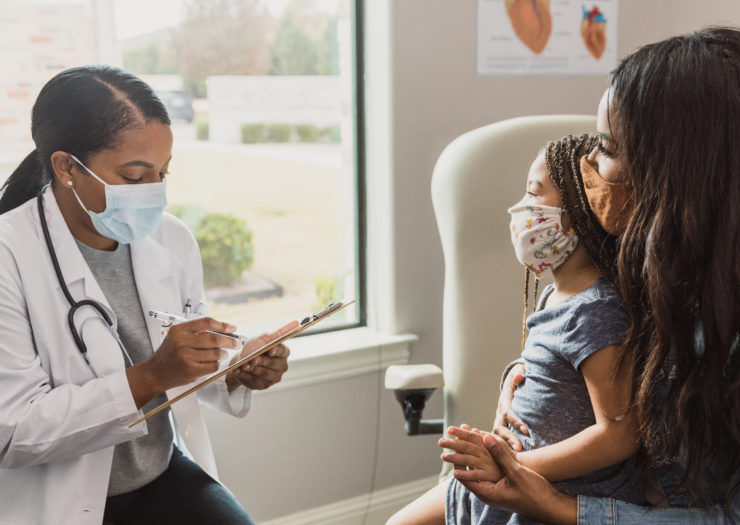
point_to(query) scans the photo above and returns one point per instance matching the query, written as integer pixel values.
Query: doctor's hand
(187, 353)
(263, 371)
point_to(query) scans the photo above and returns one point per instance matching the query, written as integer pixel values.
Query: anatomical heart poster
(546, 37)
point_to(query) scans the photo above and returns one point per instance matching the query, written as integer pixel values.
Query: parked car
(179, 104)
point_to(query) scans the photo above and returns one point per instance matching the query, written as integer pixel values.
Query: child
(580, 432)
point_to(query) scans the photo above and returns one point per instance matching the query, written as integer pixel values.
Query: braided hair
(563, 158)
(563, 161)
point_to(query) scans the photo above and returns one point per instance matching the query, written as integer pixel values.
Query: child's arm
(606, 443)
(612, 439)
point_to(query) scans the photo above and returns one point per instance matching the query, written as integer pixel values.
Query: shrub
(307, 132)
(278, 133)
(328, 289)
(332, 133)
(225, 246)
(259, 133)
(225, 242)
(253, 133)
(201, 130)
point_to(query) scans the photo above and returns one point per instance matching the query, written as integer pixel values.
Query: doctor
(85, 250)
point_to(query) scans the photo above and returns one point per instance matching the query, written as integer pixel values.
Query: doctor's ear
(63, 165)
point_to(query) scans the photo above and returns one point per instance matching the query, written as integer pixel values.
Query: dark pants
(183, 494)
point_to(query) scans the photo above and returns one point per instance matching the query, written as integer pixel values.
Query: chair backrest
(477, 177)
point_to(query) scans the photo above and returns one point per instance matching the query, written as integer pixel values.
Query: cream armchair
(476, 179)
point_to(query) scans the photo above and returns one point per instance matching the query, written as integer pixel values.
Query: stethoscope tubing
(74, 305)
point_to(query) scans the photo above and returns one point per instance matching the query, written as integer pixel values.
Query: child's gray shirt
(553, 400)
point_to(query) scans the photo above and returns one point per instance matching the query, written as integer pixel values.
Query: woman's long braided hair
(563, 161)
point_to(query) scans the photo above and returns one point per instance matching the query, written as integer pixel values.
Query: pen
(167, 319)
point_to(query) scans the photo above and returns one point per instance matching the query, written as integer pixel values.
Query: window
(266, 116)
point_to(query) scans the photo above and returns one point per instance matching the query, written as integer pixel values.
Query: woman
(85, 250)
(669, 126)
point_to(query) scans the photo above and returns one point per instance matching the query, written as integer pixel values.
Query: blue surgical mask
(132, 211)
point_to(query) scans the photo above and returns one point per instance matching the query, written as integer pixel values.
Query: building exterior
(41, 39)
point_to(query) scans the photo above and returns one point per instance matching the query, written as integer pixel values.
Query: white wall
(312, 446)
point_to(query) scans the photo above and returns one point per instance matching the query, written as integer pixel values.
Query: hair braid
(562, 158)
(526, 303)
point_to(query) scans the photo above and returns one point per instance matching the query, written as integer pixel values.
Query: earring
(69, 183)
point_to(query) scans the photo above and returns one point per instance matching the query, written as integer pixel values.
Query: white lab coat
(58, 422)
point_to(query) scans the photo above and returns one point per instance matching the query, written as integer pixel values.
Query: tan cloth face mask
(608, 200)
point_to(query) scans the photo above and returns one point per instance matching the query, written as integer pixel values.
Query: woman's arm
(524, 491)
(222, 394)
(520, 489)
(225, 393)
(39, 420)
(512, 377)
(613, 438)
(46, 418)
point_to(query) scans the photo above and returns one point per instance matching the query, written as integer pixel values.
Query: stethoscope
(74, 305)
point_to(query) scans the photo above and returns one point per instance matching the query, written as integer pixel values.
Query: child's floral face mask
(538, 237)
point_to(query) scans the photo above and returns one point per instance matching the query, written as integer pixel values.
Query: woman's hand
(263, 371)
(470, 453)
(187, 353)
(504, 414)
(521, 490)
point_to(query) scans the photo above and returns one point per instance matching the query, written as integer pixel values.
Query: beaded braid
(563, 159)
(526, 303)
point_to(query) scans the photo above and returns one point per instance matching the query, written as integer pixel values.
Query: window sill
(339, 355)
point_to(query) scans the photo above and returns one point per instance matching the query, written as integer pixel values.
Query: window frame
(360, 181)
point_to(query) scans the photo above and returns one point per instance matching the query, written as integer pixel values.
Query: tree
(328, 49)
(218, 37)
(293, 53)
(306, 41)
(150, 54)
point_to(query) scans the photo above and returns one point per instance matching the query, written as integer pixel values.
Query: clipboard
(306, 323)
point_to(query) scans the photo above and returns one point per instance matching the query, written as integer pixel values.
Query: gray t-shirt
(139, 461)
(554, 400)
